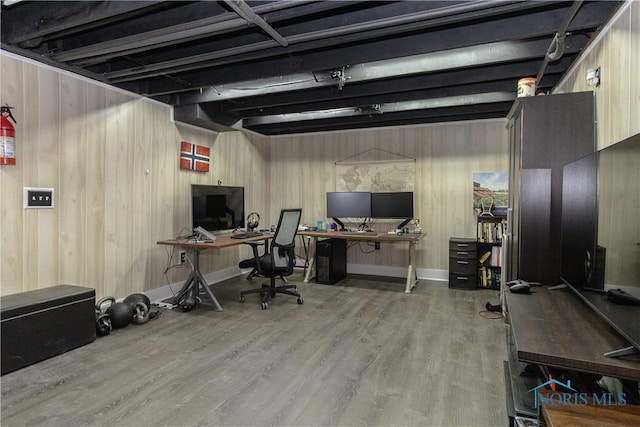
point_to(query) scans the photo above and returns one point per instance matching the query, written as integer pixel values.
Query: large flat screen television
(217, 207)
(601, 234)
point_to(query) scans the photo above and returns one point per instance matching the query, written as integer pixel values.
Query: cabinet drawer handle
(462, 262)
(462, 245)
(462, 253)
(462, 278)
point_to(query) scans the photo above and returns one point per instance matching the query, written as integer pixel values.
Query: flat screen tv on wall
(601, 235)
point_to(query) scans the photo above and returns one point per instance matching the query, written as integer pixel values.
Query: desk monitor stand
(193, 284)
(403, 223)
(340, 223)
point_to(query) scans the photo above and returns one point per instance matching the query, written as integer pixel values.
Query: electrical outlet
(377, 246)
(183, 257)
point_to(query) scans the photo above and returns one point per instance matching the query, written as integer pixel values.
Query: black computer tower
(331, 261)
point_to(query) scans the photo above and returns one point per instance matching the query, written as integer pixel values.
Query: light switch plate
(37, 198)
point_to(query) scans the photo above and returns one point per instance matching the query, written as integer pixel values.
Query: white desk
(411, 239)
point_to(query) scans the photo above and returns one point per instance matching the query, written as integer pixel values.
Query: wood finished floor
(360, 353)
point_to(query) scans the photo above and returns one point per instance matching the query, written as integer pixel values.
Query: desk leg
(196, 281)
(311, 254)
(412, 274)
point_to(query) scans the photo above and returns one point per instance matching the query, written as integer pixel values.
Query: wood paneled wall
(112, 159)
(302, 170)
(615, 51)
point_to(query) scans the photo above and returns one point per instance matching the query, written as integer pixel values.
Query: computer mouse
(520, 288)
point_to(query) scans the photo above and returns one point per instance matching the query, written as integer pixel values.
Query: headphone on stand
(253, 220)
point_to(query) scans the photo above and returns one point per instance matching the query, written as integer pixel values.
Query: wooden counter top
(556, 328)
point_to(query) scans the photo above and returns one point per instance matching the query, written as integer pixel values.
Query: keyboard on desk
(246, 235)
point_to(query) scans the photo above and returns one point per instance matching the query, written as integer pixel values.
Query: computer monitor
(393, 205)
(217, 207)
(348, 204)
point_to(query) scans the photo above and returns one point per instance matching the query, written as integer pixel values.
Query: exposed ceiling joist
(281, 66)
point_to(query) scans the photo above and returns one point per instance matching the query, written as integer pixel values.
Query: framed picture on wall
(490, 193)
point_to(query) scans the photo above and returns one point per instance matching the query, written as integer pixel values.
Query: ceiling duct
(392, 107)
(467, 57)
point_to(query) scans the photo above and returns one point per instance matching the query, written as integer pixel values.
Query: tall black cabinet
(545, 133)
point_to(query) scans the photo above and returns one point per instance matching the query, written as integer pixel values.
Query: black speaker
(331, 261)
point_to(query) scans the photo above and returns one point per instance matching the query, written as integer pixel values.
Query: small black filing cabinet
(463, 270)
(331, 261)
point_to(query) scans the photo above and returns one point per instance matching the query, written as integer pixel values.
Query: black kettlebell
(133, 299)
(103, 320)
(103, 304)
(140, 313)
(103, 325)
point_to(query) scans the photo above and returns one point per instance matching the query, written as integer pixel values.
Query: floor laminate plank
(360, 352)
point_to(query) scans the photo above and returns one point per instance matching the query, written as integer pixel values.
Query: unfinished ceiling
(282, 67)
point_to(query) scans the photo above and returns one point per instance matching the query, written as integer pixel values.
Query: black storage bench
(36, 325)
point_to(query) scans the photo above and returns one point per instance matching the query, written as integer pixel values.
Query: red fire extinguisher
(7, 137)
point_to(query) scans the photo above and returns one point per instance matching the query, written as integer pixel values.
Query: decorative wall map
(376, 176)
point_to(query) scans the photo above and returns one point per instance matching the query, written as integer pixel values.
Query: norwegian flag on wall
(194, 157)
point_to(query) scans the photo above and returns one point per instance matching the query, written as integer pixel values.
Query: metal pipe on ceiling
(556, 49)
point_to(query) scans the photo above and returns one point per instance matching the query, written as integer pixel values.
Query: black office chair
(277, 261)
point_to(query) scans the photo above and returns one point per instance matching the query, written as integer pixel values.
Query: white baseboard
(167, 291)
(386, 271)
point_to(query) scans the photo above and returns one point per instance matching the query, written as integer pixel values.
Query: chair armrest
(254, 248)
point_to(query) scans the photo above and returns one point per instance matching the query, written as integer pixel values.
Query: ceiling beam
(245, 12)
(181, 33)
(359, 31)
(39, 20)
(310, 58)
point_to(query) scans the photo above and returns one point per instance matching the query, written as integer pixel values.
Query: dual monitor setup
(221, 207)
(360, 204)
